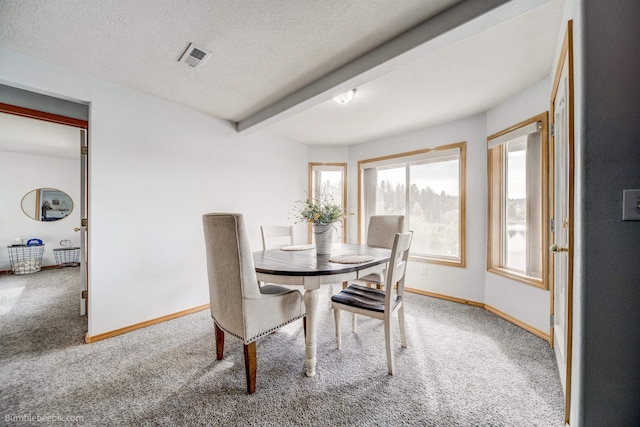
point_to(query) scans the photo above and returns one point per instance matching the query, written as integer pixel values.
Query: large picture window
(427, 187)
(517, 177)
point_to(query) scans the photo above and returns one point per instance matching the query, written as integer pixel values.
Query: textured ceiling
(265, 50)
(261, 49)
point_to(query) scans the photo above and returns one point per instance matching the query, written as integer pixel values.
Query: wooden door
(561, 214)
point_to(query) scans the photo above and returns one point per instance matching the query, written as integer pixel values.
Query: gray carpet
(463, 367)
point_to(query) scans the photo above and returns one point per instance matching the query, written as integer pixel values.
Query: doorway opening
(44, 154)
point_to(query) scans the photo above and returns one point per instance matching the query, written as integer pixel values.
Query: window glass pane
(516, 215)
(391, 191)
(434, 208)
(328, 181)
(330, 184)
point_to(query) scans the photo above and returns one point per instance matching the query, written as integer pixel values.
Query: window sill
(451, 262)
(522, 278)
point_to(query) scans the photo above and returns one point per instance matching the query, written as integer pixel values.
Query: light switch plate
(631, 205)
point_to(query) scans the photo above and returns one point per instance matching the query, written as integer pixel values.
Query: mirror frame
(35, 202)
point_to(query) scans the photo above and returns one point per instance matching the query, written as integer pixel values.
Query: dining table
(300, 265)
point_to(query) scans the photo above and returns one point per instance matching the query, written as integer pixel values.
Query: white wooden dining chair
(381, 231)
(276, 236)
(378, 304)
(239, 307)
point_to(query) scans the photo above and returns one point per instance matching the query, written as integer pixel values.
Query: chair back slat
(397, 267)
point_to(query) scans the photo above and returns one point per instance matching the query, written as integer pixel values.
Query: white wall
(22, 173)
(329, 153)
(466, 283)
(522, 106)
(526, 303)
(155, 168)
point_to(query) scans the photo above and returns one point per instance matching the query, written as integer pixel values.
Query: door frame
(566, 56)
(67, 121)
(42, 115)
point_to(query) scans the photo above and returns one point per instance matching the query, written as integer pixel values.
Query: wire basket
(67, 257)
(26, 259)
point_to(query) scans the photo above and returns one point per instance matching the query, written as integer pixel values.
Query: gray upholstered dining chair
(276, 236)
(376, 303)
(239, 307)
(381, 231)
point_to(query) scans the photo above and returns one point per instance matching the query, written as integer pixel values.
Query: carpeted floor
(464, 367)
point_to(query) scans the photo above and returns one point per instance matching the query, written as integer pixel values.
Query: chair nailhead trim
(261, 334)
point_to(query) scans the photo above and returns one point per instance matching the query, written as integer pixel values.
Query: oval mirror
(47, 204)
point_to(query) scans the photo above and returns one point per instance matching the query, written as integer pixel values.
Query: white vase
(323, 234)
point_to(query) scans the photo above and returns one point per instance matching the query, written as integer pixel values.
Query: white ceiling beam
(456, 23)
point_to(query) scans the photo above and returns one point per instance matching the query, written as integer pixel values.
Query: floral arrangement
(321, 210)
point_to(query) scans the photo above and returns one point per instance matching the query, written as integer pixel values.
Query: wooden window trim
(344, 195)
(494, 265)
(462, 146)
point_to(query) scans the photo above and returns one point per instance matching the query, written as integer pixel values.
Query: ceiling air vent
(195, 56)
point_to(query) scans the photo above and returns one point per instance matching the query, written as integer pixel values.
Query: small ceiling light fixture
(345, 98)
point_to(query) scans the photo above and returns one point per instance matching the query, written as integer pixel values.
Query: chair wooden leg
(403, 334)
(388, 338)
(250, 365)
(219, 342)
(336, 316)
(304, 326)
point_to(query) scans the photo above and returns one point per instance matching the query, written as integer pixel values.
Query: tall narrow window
(517, 176)
(330, 179)
(427, 187)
